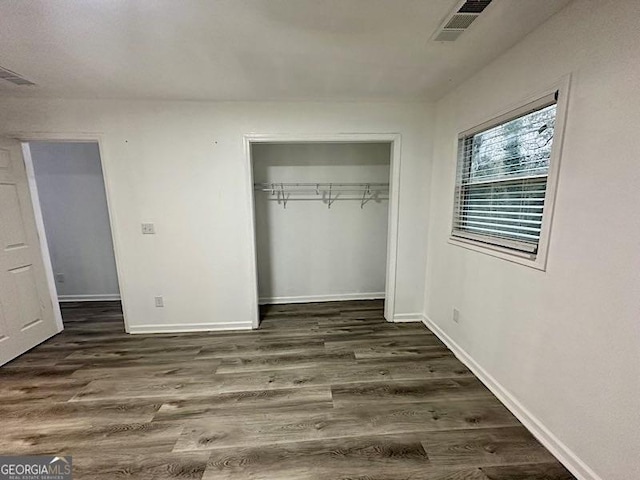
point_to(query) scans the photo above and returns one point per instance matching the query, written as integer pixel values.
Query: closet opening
(325, 214)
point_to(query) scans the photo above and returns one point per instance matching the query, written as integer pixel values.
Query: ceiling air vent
(461, 18)
(474, 6)
(460, 22)
(13, 77)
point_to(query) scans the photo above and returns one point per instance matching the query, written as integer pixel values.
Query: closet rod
(301, 188)
(319, 184)
(327, 192)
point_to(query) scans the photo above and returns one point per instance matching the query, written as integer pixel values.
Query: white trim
(495, 251)
(407, 317)
(189, 327)
(539, 262)
(392, 234)
(98, 297)
(552, 443)
(394, 139)
(337, 297)
(253, 264)
(25, 138)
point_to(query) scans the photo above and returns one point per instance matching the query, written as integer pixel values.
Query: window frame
(531, 103)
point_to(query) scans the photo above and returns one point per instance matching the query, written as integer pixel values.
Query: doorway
(69, 197)
(325, 213)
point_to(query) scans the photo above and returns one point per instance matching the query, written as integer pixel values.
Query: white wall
(76, 219)
(308, 251)
(182, 166)
(565, 343)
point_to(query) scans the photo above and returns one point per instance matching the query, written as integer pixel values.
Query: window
(502, 182)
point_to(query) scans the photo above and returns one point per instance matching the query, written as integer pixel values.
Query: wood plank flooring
(320, 391)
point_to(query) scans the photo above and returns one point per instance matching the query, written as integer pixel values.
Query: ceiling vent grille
(457, 22)
(14, 78)
(460, 22)
(474, 6)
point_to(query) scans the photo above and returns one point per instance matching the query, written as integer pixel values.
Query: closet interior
(321, 218)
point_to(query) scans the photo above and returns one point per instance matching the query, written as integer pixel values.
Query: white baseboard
(552, 443)
(98, 297)
(189, 327)
(407, 317)
(340, 297)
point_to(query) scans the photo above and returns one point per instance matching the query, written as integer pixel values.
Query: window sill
(500, 252)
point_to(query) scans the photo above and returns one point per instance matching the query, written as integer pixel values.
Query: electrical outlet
(60, 277)
(159, 301)
(456, 315)
(148, 229)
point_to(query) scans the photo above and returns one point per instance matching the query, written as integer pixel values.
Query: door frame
(394, 139)
(25, 138)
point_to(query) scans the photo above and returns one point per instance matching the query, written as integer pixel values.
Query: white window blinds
(502, 178)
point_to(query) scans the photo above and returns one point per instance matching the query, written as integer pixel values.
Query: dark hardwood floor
(321, 391)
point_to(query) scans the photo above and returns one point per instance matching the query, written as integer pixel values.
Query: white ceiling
(251, 49)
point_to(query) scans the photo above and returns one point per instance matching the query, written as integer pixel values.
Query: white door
(26, 312)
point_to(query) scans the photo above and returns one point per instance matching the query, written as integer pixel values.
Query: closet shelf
(282, 192)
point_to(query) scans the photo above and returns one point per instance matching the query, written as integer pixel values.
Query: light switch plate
(148, 229)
